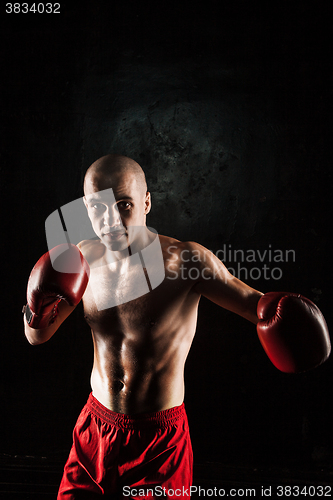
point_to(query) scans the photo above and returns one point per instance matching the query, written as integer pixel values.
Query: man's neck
(138, 240)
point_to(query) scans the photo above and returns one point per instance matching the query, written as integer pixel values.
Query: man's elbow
(33, 339)
(34, 336)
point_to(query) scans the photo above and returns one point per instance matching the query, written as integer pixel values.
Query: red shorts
(124, 456)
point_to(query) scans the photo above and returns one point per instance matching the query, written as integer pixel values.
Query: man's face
(117, 209)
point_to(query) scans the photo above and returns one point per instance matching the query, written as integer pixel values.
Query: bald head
(116, 198)
(110, 168)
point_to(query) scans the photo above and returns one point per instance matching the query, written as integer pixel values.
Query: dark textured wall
(227, 109)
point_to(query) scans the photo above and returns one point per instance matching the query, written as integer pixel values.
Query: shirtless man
(133, 432)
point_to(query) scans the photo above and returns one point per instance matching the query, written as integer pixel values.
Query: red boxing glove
(60, 274)
(292, 331)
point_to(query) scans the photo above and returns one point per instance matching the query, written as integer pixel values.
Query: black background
(227, 107)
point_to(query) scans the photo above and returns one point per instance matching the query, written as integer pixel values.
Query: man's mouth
(114, 234)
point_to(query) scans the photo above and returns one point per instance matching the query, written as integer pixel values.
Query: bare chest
(127, 304)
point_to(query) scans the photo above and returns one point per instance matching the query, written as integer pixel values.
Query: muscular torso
(140, 346)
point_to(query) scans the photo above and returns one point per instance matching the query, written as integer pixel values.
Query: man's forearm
(37, 336)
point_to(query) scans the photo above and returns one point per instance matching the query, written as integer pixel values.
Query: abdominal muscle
(127, 381)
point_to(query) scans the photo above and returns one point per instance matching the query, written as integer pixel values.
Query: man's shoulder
(173, 246)
(86, 244)
(91, 249)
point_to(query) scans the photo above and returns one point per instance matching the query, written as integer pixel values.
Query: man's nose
(112, 217)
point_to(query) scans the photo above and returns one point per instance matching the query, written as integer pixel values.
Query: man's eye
(124, 205)
(97, 206)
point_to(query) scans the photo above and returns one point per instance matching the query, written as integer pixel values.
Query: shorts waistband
(163, 418)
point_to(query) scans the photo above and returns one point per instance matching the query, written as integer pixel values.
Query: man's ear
(85, 202)
(147, 203)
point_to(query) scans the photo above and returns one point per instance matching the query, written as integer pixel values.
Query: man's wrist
(27, 312)
(40, 321)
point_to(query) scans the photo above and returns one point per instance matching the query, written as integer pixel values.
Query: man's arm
(291, 328)
(221, 287)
